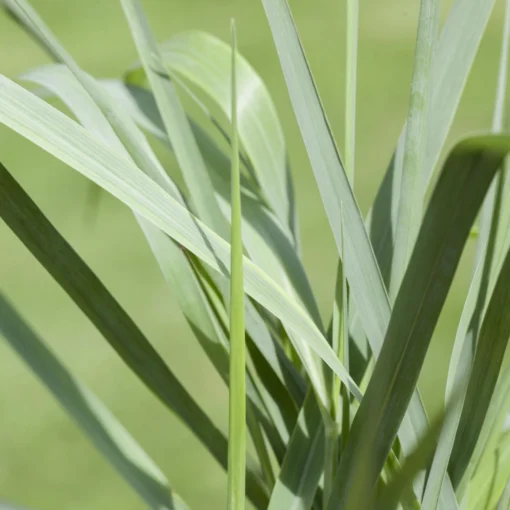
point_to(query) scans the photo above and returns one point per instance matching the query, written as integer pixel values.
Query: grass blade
(96, 421)
(237, 393)
(31, 226)
(365, 281)
(124, 128)
(416, 136)
(173, 261)
(62, 137)
(457, 197)
(336, 192)
(192, 165)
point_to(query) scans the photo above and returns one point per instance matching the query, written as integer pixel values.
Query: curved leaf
(457, 197)
(204, 60)
(62, 137)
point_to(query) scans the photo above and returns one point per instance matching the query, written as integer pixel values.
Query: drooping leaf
(26, 220)
(59, 135)
(175, 264)
(203, 60)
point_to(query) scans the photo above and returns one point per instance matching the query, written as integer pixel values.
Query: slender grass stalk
(411, 199)
(350, 87)
(237, 400)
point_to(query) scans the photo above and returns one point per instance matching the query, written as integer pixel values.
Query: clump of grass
(333, 412)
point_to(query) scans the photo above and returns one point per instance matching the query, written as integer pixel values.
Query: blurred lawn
(45, 463)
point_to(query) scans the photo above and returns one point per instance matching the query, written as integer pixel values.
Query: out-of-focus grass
(45, 462)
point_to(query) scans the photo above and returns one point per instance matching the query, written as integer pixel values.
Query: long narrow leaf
(264, 238)
(27, 221)
(237, 388)
(361, 268)
(62, 137)
(189, 157)
(96, 421)
(174, 262)
(457, 197)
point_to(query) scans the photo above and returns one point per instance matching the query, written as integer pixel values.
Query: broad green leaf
(204, 60)
(96, 421)
(412, 192)
(458, 195)
(31, 226)
(302, 468)
(62, 137)
(237, 383)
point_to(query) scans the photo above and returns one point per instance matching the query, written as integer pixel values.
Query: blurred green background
(45, 462)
